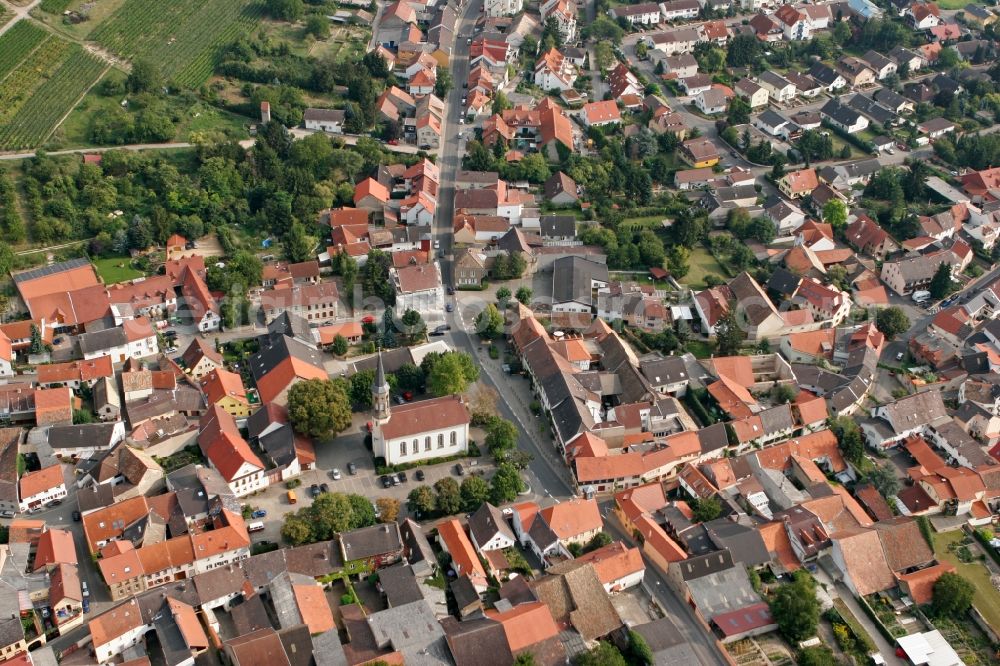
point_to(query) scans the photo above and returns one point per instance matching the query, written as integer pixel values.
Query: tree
(892, 321)
(835, 214)
(728, 335)
(705, 509)
(841, 32)
(849, 439)
(817, 655)
(474, 492)
(677, 261)
(599, 540)
(795, 608)
(505, 484)
(638, 649)
(339, 345)
(388, 330)
(941, 284)
(144, 77)
(604, 55)
(285, 10)
(604, 29)
(298, 245)
(500, 103)
(489, 322)
(743, 50)
(318, 26)
(739, 112)
(362, 511)
(388, 509)
(503, 295)
(451, 374)
(783, 393)
(501, 436)
(449, 496)
(422, 500)
(525, 659)
(523, 295)
(605, 654)
(296, 531)
(319, 407)
(37, 345)
(81, 416)
(947, 58)
(414, 323)
(952, 595)
(443, 83)
(410, 377)
(884, 480)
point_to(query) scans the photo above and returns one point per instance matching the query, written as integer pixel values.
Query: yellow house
(225, 389)
(700, 153)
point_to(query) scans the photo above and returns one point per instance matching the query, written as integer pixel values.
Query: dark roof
(281, 348)
(279, 445)
(486, 522)
(399, 584)
(465, 593)
(666, 642)
(101, 340)
(477, 642)
(9, 440)
(772, 118)
(558, 226)
(744, 543)
(783, 281)
(51, 269)
(298, 645)
(713, 438)
(315, 560)
(872, 109)
(840, 113)
(370, 541)
(666, 370)
(703, 565)
(291, 325)
(572, 276)
(96, 435)
(823, 73)
(250, 615)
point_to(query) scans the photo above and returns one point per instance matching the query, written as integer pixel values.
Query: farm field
(84, 16)
(182, 38)
(41, 79)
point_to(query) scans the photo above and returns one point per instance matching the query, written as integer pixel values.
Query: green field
(181, 37)
(702, 263)
(116, 269)
(41, 78)
(987, 599)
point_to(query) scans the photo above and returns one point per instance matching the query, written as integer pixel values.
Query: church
(417, 431)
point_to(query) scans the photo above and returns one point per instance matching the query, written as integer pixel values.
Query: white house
(324, 120)
(489, 529)
(418, 288)
(596, 114)
(496, 8)
(419, 430)
(712, 101)
(133, 339)
(39, 488)
(779, 88)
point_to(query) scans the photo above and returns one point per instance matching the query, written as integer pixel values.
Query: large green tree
(505, 484)
(605, 654)
(892, 321)
(451, 373)
(942, 283)
(728, 334)
(422, 499)
(474, 491)
(449, 496)
(319, 407)
(952, 595)
(795, 608)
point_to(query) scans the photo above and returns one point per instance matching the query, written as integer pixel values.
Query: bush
(292, 484)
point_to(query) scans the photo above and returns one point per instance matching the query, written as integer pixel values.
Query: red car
(393, 142)
(368, 319)
(407, 395)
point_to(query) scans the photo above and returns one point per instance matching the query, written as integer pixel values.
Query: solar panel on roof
(52, 269)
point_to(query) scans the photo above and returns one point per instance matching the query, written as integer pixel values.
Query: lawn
(700, 348)
(95, 13)
(702, 263)
(987, 599)
(649, 221)
(116, 269)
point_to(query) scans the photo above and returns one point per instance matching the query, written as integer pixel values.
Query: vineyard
(41, 78)
(182, 38)
(35, 119)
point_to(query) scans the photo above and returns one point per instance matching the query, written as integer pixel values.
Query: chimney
(265, 112)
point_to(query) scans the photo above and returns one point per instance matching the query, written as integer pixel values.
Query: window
(454, 438)
(416, 446)
(427, 443)
(402, 448)
(441, 441)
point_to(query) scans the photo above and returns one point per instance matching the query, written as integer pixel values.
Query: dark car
(170, 333)
(451, 290)
(402, 477)
(352, 469)
(459, 469)
(436, 334)
(314, 490)
(76, 516)
(386, 481)
(325, 488)
(419, 475)
(259, 513)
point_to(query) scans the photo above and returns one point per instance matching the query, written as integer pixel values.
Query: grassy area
(699, 348)
(956, 4)
(702, 264)
(95, 13)
(116, 269)
(987, 599)
(191, 116)
(650, 221)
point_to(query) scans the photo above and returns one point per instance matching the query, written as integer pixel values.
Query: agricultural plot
(42, 90)
(182, 38)
(17, 43)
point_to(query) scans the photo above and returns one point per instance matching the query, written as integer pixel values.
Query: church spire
(380, 391)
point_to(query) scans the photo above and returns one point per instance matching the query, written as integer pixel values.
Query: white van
(921, 296)
(255, 527)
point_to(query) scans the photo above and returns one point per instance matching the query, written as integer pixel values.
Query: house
(575, 280)
(464, 558)
(693, 85)
(560, 189)
(618, 567)
(312, 302)
(41, 488)
(86, 440)
(470, 267)
(418, 288)
(420, 430)
(829, 78)
(857, 554)
(855, 71)
(906, 275)
(771, 122)
(280, 364)
(679, 10)
(712, 101)
(489, 529)
(550, 531)
(225, 389)
(75, 373)
(330, 121)
(647, 13)
(794, 24)
(979, 15)
(700, 153)
(200, 358)
(843, 117)
(866, 236)
(53, 406)
(766, 28)
(564, 13)
(135, 338)
(555, 71)
(681, 66)
(796, 184)
(904, 417)
(923, 15)
(882, 66)
(496, 8)
(935, 128)
(622, 82)
(598, 114)
(756, 95)
(226, 451)
(904, 57)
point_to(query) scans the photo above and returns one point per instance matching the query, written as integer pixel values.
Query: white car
(336, 474)
(437, 244)
(461, 121)
(899, 356)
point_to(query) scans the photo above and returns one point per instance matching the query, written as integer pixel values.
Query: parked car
(395, 480)
(325, 488)
(335, 474)
(449, 307)
(451, 290)
(76, 516)
(402, 477)
(386, 482)
(407, 395)
(419, 475)
(352, 469)
(459, 469)
(899, 356)
(398, 399)
(259, 513)
(314, 490)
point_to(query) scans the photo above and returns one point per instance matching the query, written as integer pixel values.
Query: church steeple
(380, 392)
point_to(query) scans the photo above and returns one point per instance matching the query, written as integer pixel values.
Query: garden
(956, 548)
